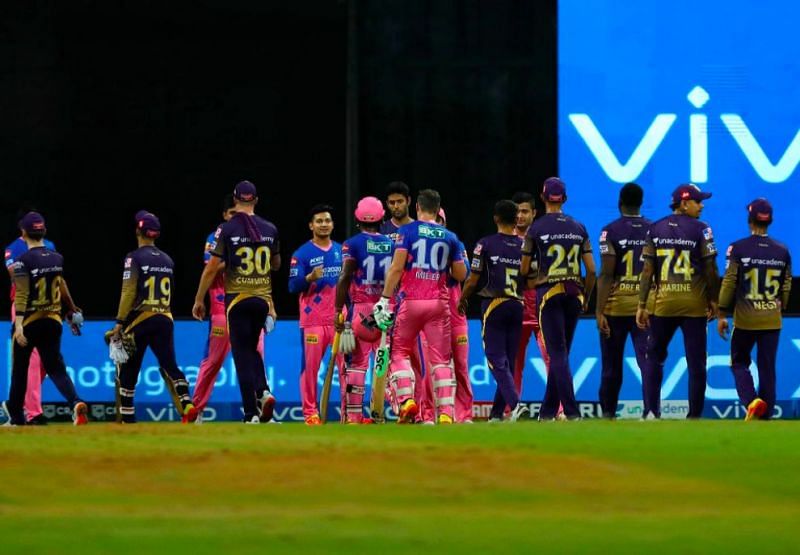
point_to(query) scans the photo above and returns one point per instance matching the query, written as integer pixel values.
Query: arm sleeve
(607, 244)
(297, 274)
(728, 291)
(478, 262)
(130, 279)
(219, 244)
(22, 280)
(707, 246)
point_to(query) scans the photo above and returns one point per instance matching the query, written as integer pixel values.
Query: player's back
(431, 249)
(246, 244)
(372, 254)
(763, 274)
(556, 243)
(625, 238)
(17, 248)
(498, 258)
(154, 271)
(42, 271)
(678, 245)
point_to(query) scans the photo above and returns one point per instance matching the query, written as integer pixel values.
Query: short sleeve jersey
(757, 282)
(497, 259)
(556, 242)
(678, 246)
(432, 249)
(37, 277)
(247, 260)
(624, 239)
(372, 255)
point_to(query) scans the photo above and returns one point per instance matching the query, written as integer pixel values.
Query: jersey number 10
(440, 253)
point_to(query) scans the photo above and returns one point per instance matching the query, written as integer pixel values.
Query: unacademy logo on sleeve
(698, 145)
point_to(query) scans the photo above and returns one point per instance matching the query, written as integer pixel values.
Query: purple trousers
(662, 329)
(742, 343)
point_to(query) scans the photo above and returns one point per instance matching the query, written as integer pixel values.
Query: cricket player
(36, 372)
(621, 245)
(680, 255)
(398, 200)
(313, 274)
(218, 342)
(424, 254)
(365, 259)
(756, 287)
(459, 342)
(496, 262)
(554, 248)
(526, 212)
(40, 290)
(246, 247)
(145, 312)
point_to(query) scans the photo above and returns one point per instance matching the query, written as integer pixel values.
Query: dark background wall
(459, 97)
(109, 107)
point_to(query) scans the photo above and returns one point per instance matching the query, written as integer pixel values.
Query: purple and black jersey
(389, 229)
(497, 259)
(247, 259)
(757, 282)
(678, 246)
(37, 278)
(147, 280)
(556, 242)
(624, 239)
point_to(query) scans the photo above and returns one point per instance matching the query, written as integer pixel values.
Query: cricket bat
(379, 380)
(326, 386)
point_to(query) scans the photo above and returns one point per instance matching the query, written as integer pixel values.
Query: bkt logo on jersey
(698, 145)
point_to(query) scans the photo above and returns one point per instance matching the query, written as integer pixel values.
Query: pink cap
(369, 210)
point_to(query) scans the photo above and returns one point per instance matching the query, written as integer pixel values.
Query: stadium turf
(579, 487)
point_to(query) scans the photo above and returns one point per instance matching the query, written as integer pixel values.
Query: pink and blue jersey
(372, 254)
(17, 248)
(431, 249)
(216, 293)
(317, 299)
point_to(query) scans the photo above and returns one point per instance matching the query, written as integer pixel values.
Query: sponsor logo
(217, 331)
(312, 339)
(431, 232)
(698, 145)
(462, 340)
(126, 274)
(708, 234)
(375, 247)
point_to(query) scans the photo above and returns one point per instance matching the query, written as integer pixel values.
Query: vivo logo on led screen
(698, 145)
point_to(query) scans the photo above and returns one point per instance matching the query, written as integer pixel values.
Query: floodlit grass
(578, 487)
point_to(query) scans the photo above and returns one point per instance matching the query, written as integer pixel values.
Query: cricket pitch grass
(578, 487)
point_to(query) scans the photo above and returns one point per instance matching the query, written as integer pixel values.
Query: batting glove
(383, 316)
(347, 340)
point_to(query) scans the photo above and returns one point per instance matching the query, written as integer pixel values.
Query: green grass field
(580, 487)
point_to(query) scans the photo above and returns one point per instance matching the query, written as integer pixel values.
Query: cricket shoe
(756, 409)
(495, 420)
(199, 420)
(519, 411)
(445, 419)
(408, 411)
(313, 420)
(38, 420)
(80, 414)
(190, 414)
(266, 405)
(252, 420)
(467, 421)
